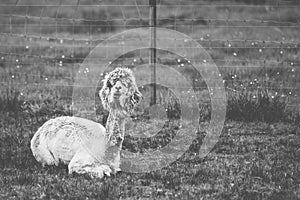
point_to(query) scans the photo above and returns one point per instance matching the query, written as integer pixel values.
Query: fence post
(152, 59)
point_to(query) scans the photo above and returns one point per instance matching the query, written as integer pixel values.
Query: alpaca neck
(115, 131)
(115, 126)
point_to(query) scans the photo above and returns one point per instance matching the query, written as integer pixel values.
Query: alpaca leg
(81, 159)
(117, 158)
(113, 156)
(92, 170)
(99, 171)
(45, 157)
(84, 163)
(116, 163)
(41, 152)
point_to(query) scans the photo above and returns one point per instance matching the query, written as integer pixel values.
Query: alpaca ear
(136, 97)
(103, 94)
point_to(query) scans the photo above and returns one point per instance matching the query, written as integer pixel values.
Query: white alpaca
(86, 146)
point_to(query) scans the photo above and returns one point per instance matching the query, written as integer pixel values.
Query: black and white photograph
(150, 99)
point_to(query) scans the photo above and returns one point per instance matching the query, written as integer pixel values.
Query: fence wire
(241, 37)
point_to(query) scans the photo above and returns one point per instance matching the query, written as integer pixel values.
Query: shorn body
(75, 141)
(87, 146)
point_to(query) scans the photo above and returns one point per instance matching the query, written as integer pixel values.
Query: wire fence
(247, 40)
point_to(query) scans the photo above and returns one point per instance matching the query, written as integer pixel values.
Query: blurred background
(255, 45)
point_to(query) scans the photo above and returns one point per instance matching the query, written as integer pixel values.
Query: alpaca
(87, 146)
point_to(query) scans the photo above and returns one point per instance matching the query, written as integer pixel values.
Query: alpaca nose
(118, 87)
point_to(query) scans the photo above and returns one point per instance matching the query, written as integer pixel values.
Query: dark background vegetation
(255, 45)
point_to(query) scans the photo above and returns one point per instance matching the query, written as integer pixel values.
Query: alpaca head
(119, 91)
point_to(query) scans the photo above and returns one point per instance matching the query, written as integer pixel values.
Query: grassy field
(256, 48)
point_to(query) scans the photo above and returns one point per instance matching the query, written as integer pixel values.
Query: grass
(257, 154)
(252, 160)
(249, 161)
(256, 106)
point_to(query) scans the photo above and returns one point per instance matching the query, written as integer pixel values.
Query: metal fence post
(152, 59)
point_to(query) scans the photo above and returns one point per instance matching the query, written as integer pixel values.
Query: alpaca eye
(109, 85)
(125, 84)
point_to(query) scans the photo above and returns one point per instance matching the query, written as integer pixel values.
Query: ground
(250, 161)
